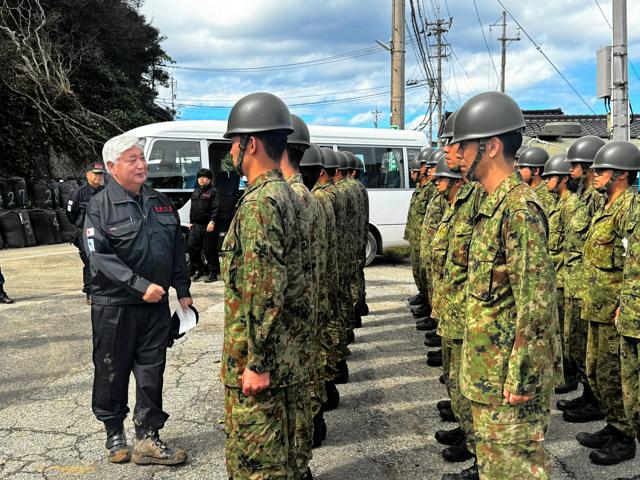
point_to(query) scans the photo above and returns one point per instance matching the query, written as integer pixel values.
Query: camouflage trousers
(510, 440)
(603, 373)
(334, 343)
(260, 434)
(460, 404)
(304, 406)
(575, 336)
(446, 361)
(414, 252)
(630, 373)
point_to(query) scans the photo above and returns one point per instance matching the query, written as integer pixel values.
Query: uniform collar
(466, 190)
(295, 178)
(120, 195)
(270, 176)
(493, 201)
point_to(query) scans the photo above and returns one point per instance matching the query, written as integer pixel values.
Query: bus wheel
(372, 249)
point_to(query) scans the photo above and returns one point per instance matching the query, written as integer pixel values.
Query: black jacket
(204, 205)
(77, 205)
(130, 246)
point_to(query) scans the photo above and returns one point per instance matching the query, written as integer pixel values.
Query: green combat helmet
(300, 135)
(618, 155)
(329, 158)
(443, 171)
(584, 149)
(353, 161)
(414, 165)
(533, 157)
(343, 161)
(312, 157)
(557, 165)
(424, 154)
(435, 157)
(519, 151)
(447, 132)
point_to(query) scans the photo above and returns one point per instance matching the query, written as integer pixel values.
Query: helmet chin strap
(605, 188)
(482, 147)
(244, 139)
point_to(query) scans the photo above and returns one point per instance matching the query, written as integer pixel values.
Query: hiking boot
(617, 450)
(470, 473)
(434, 353)
(449, 437)
(148, 449)
(4, 298)
(458, 452)
(213, 277)
(430, 333)
(443, 404)
(117, 449)
(447, 415)
(433, 341)
(333, 397)
(597, 439)
(564, 405)
(417, 299)
(421, 311)
(425, 324)
(569, 385)
(586, 413)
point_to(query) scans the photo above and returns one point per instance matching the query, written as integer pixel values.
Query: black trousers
(200, 241)
(86, 270)
(126, 339)
(1, 280)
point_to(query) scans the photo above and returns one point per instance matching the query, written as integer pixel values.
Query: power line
(547, 58)
(485, 38)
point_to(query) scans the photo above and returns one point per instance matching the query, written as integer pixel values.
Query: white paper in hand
(187, 320)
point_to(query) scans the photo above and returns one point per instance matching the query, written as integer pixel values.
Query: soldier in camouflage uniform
(604, 255)
(530, 165)
(507, 368)
(628, 319)
(266, 301)
(311, 221)
(577, 218)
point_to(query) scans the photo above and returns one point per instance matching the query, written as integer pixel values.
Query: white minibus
(176, 150)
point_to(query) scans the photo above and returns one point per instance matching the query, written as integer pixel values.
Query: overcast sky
(245, 34)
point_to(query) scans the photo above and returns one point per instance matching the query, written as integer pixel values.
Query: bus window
(384, 166)
(174, 163)
(412, 153)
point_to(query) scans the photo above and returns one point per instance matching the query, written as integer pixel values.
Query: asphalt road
(383, 429)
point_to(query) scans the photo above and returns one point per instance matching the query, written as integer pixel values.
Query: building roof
(535, 121)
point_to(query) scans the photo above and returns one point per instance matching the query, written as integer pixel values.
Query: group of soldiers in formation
(528, 272)
(293, 269)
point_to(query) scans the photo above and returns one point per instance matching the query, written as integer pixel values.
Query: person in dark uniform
(4, 298)
(203, 217)
(76, 209)
(136, 252)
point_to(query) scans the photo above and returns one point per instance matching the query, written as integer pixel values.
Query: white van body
(176, 150)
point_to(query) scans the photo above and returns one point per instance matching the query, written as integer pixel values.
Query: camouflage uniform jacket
(426, 194)
(409, 228)
(629, 319)
(432, 218)
(593, 199)
(511, 292)
(359, 224)
(454, 280)
(576, 222)
(556, 240)
(328, 265)
(349, 226)
(547, 199)
(439, 247)
(265, 301)
(603, 259)
(364, 214)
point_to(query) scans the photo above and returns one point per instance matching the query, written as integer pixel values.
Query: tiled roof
(535, 121)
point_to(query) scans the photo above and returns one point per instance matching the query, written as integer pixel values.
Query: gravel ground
(383, 429)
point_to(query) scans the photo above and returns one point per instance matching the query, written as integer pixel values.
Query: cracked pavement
(383, 429)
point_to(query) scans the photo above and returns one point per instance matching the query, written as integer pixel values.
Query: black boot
(307, 475)
(586, 413)
(443, 404)
(117, 449)
(458, 452)
(357, 320)
(430, 333)
(447, 415)
(433, 341)
(564, 405)
(434, 353)
(569, 385)
(4, 298)
(333, 397)
(424, 324)
(597, 439)
(350, 337)
(417, 299)
(435, 360)
(470, 473)
(441, 379)
(449, 437)
(617, 450)
(421, 311)
(197, 275)
(319, 429)
(342, 376)
(363, 309)
(213, 277)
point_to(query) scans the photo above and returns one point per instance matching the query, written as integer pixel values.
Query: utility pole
(376, 113)
(620, 73)
(505, 41)
(437, 29)
(397, 64)
(174, 92)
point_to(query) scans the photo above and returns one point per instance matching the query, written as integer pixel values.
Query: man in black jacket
(76, 210)
(136, 252)
(202, 238)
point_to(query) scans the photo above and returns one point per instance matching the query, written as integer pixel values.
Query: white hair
(117, 145)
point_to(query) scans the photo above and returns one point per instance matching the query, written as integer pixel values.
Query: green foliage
(97, 73)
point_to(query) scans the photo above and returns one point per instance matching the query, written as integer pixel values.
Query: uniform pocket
(460, 245)
(601, 252)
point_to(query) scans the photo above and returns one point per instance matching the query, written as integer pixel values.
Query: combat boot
(417, 299)
(197, 275)
(350, 337)
(458, 452)
(443, 404)
(449, 437)
(117, 449)
(597, 439)
(441, 379)
(619, 448)
(433, 341)
(307, 475)
(363, 309)
(586, 413)
(564, 405)
(470, 473)
(436, 360)
(4, 298)
(213, 277)
(148, 449)
(569, 385)
(319, 429)
(433, 353)
(421, 311)
(426, 323)
(342, 376)
(333, 397)
(357, 320)
(430, 333)
(447, 415)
